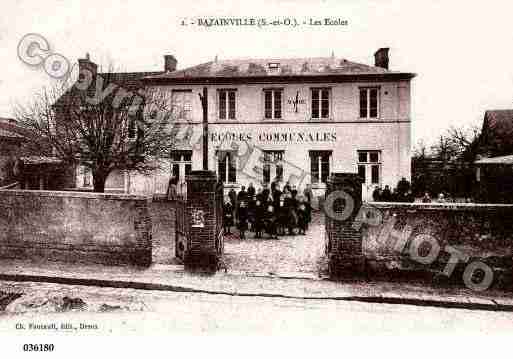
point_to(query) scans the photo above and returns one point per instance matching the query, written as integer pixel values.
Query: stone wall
(456, 241)
(418, 236)
(163, 221)
(75, 227)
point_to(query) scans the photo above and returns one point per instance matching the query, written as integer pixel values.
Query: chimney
(381, 58)
(169, 63)
(87, 64)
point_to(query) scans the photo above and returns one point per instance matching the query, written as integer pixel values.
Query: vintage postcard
(254, 168)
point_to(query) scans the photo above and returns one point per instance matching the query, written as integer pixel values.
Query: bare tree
(101, 125)
(421, 150)
(443, 149)
(466, 141)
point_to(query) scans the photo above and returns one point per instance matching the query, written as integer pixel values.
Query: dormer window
(273, 66)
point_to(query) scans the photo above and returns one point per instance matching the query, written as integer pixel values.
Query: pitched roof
(130, 81)
(498, 126)
(304, 67)
(499, 118)
(497, 133)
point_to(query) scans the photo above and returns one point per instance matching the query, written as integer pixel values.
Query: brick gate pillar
(344, 243)
(204, 211)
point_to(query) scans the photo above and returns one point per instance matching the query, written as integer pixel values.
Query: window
(369, 101)
(182, 104)
(181, 164)
(273, 166)
(227, 104)
(320, 166)
(272, 103)
(369, 167)
(321, 103)
(226, 164)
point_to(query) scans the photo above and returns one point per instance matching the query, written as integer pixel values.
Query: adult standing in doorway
(171, 188)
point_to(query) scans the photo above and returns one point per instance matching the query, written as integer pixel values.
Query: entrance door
(369, 170)
(273, 166)
(181, 166)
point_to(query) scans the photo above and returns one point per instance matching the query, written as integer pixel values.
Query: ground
(296, 255)
(238, 304)
(142, 312)
(301, 255)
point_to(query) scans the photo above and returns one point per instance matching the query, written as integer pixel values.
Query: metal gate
(182, 227)
(219, 200)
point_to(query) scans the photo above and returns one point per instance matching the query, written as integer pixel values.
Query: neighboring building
(10, 146)
(18, 165)
(494, 169)
(494, 176)
(295, 119)
(497, 133)
(118, 181)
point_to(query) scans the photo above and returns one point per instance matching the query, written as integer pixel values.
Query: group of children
(270, 211)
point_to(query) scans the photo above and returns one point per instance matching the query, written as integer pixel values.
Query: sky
(461, 52)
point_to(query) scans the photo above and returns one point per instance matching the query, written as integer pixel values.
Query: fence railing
(181, 217)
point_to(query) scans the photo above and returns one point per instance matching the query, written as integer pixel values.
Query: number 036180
(38, 347)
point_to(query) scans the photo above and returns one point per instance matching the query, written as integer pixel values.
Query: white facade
(333, 125)
(344, 133)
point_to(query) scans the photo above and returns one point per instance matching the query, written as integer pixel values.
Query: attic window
(273, 66)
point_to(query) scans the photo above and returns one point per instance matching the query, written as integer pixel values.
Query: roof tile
(314, 66)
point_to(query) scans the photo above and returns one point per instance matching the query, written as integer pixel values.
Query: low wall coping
(70, 194)
(162, 198)
(451, 206)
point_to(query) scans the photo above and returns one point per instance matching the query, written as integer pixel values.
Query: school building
(296, 119)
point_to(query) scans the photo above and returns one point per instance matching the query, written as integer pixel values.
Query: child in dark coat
(259, 217)
(291, 215)
(243, 219)
(227, 216)
(302, 215)
(270, 220)
(282, 213)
